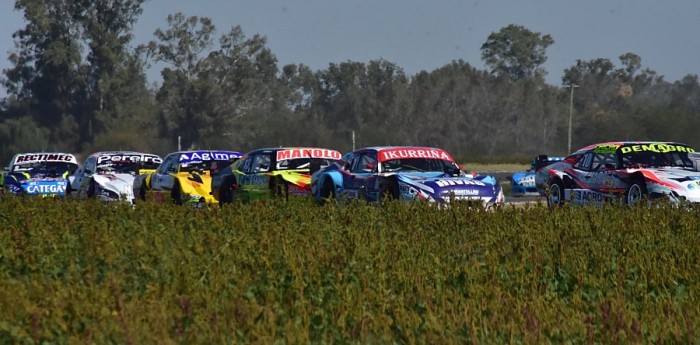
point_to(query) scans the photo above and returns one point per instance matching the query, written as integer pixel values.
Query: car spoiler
(695, 158)
(543, 161)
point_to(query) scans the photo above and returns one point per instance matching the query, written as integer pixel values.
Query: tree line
(78, 83)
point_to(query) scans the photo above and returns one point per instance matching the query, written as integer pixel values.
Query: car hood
(36, 184)
(672, 173)
(196, 186)
(118, 183)
(440, 185)
(41, 176)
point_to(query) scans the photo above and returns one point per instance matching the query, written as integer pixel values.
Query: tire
(327, 191)
(226, 191)
(390, 190)
(555, 196)
(142, 192)
(176, 194)
(280, 189)
(636, 192)
(91, 189)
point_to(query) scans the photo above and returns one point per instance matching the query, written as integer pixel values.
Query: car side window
(261, 163)
(607, 161)
(366, 163)
(244, 165)
(167, 164)
(161, 167)
(602, 161)
(349, 162)
(90, 166)
(585, 162)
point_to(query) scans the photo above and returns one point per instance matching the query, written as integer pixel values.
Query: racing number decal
(255, 180)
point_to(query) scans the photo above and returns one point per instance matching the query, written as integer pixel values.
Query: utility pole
(572, 86)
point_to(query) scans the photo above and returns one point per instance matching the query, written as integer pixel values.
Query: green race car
(264, 173)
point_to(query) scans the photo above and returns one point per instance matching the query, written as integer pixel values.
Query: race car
(109, 175)
(403, 173)
(43, 174)
(623, 172)
(523, 182)
(184, 177)
(269, 172)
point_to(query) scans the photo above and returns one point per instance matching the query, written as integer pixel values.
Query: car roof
(281, 148)
(626, 143)
(444, 154)
(74, 160)
(113, 153)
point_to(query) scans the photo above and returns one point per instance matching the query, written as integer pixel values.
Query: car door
(255, 176)
(85, 176)
(363, 176)
(597, 172)
(163, 179)
(76, 178)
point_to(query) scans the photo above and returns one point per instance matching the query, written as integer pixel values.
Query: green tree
(516, 52)
(73, 72)
(214, 94)
(21, 135)
(47, 77)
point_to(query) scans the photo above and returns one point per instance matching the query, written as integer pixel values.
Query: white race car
(109, 175)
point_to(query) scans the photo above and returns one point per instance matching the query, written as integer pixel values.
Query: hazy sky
(428, 34)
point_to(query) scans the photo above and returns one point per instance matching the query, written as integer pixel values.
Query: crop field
(86, 272)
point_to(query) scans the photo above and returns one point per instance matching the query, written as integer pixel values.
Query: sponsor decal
(610, 148)
(582, 196)
(209, 156)
(528, 180)
(46, 157)
(465, 192)
(445, 183)
(307, 153)
(46, 188)
(144, 158)
(402, 153)
(656, 147)
(255, 180)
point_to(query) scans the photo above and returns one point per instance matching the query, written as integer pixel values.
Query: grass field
(296, 273)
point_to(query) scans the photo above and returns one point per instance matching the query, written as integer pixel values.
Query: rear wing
(543, 161)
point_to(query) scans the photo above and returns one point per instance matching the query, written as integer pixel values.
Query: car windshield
(124, 167)
(302, 163)
(57, 168)
(418, 164)
(655, 159)
(199, 166)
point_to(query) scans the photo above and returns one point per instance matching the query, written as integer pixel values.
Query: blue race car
(523, 182)
(403, 173)
(43, 174)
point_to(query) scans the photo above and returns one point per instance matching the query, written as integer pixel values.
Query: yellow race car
(184, 177)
